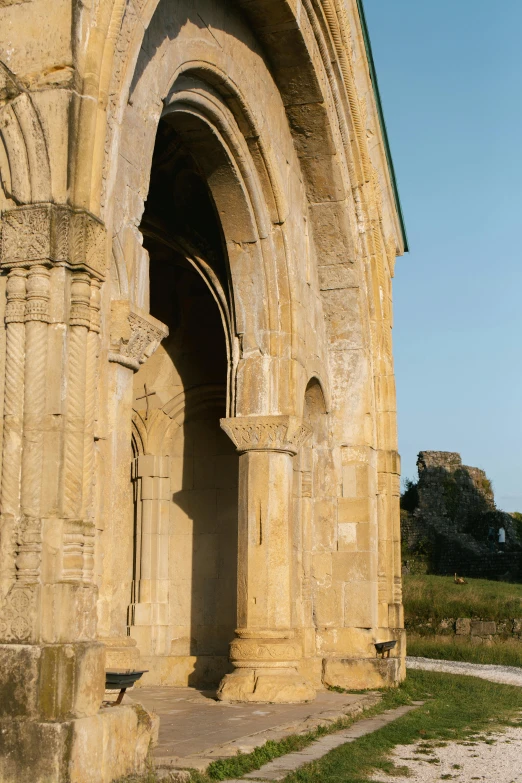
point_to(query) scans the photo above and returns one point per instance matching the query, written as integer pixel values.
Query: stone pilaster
(391, 612)
(13, 425)
(148, 612)
(134, 336)
(265, 652)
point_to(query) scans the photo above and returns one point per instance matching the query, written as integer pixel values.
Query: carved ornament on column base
(265, 669)
(267, 433)
(265, 650)
(53, 234)
(135, 335)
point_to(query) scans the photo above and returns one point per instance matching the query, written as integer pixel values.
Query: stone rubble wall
(477, 629)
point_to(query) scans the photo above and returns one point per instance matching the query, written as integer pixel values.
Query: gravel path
(496, 758)
(508, 675)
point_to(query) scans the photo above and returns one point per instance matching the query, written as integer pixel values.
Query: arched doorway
(183, 611)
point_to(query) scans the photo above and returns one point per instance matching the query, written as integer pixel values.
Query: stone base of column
(96, 749)
(51, 682)
(272, 686)
(265, 670)
(362, 673)
(121, 653)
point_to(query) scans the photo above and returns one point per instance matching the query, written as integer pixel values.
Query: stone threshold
(279, 768)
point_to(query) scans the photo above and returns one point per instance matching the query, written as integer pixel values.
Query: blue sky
(450, 75)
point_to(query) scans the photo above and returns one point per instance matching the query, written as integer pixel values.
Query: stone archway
(260, 203)
(294, 305)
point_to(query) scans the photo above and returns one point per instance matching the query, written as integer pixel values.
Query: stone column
(266, 651)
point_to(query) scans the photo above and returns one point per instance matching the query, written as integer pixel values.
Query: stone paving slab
(196, 729)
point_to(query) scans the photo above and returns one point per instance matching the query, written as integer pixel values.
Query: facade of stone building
(199, 469)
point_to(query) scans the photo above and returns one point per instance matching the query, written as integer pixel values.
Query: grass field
(506, 652)
(457, 708)
(438, 597)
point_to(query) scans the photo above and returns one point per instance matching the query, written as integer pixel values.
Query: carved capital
(267, 433)
(53, 234)
(135, 335)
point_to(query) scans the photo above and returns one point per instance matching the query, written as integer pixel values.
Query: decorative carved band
(38, 294)
(135, 335)
(52, 234)
(16, 292)
(80, 300)
(73, 550)
(262, 651)
(18, 614)
(29, 551)
(267, 433)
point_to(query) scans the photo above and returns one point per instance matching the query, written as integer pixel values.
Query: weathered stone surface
(98, 749)
(463, 626)
(355, 674)
(483, 628)
(52, 682)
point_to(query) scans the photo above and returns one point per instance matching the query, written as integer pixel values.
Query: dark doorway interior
(180, 221)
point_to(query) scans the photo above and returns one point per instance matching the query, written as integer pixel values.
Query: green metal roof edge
(373, 77)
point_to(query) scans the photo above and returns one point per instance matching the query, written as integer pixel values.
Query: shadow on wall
(450, 523)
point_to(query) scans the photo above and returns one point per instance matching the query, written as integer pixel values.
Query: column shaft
(13, 425)
(265, 652)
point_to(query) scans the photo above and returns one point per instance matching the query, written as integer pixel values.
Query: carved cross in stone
(146, 398)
